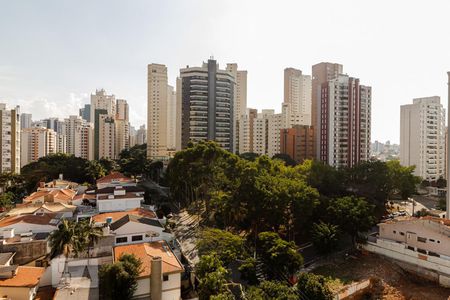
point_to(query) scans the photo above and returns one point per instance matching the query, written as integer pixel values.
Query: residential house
(6, 258)
(66, 210)
(111, 217)
(59, 195)
(119, 200)
(115, 179)
(19, 282)
(137, 229)
(28, 224)
(161, 269)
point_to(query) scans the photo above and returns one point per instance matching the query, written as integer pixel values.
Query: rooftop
(51, 207)
(62, 195)
(23, 277)
(116, 177)
(137, 219)
(29, 219)
(101, 218)
(126, 196)
(146, 251)
(5, 257)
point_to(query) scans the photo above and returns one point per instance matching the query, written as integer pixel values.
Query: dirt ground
(395, 282)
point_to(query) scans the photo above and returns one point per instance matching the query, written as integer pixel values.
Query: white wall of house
(118, 204)
(26, 227)
(138, 229)
(171, 289)
(18, 293)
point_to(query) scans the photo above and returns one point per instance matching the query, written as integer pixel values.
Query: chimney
(156, 279)
(61, 177)
(41, 184)
(8, 233)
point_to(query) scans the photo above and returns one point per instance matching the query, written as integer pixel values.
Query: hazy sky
(53, 54)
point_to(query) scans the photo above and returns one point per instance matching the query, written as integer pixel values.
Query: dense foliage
(119, 280)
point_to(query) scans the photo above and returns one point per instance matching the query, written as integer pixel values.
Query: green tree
(133, 161)
(314, 287)
(248, 270)
(403, 179)
(325, 237)
(108, 164)
(227, 246)
(250, 156)
(327, 180)
(119, 280)
(61, 240)
(352, 214)
(212, 277)
(274, 251)
(94, 170)
(6, 200)
(441, 182)
(272, 290)
(288, 161)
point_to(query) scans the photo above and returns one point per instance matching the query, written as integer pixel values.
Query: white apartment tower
(422, 137)
(79, 137)
(9, 139)
(35, 143)
(171, 117)
(297, 93)
(157, 111)
(25, 120)
(103, 114)
(240, 99)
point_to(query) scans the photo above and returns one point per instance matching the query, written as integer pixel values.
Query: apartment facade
(9, 139)
(25, 120)
(298, 142)
(103, 114)
(422, 137)
(240, 99)
(36, 143)
(171, 118)
(157, 111)
(345, 118)
(245, 128)
(79, 137)
(207, 112)
(297, 91)
(321, 74)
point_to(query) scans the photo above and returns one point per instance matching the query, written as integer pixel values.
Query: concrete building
(157, 111)
(297, 91)
(245, 127)
(122, 127)
(298, 142)
(418, 245)
(448, 153)
(321, 74)
(422, 137)
(141, 136)
(25, 120)
(9, 139)
(207, 113)
(240, 99)
(103, 115)
(85, 112)
(35, 143)
(171, 118)
(345, 117)
(79, 137)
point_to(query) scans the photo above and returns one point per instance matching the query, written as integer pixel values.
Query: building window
(411, 248)
(394, 232)
(165, 277)
(421, 251)
(120, 240)
(136, 238)
(421, 239)
(402, 233)
(431, 240)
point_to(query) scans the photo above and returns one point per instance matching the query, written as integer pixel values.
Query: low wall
(353, 289)
(26, 252)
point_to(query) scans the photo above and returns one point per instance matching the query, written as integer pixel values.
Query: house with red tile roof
(59, 195)
(28, 224)
(158, 260)
(19, 282)
(115, 179)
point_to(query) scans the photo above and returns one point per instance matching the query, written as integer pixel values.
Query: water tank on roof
(109, 220)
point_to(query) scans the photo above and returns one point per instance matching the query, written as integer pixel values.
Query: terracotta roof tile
(101, 218)
(25, 277)
(146, 251)
(116, 176)
(30, 219)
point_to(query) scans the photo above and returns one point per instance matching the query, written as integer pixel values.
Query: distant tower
(448, 159)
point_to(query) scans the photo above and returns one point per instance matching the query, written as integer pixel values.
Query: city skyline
(71, 59)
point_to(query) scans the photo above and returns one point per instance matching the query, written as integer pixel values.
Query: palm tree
(61, 239)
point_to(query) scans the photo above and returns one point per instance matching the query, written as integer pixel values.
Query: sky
(54, 54)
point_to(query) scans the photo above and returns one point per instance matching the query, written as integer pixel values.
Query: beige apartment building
(422, 137)
(157, 111)
(9, 139)
(35, 143)
(297, 93)
(171, 118)
(240, 99)
(79, 137)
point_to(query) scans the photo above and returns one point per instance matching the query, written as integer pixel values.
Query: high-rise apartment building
(298, 142)
(157, 111)
(297, 92)
(246, 130)
(9, 139)
(122, 125)
(25, 120)
(321, 74)
(422, 137)
(240, 99)
(207, 113)
(141, 136)
(35, 143)
(85, 112)
(79, 137)
(171, 118)
(345, 116)
(103, 115)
